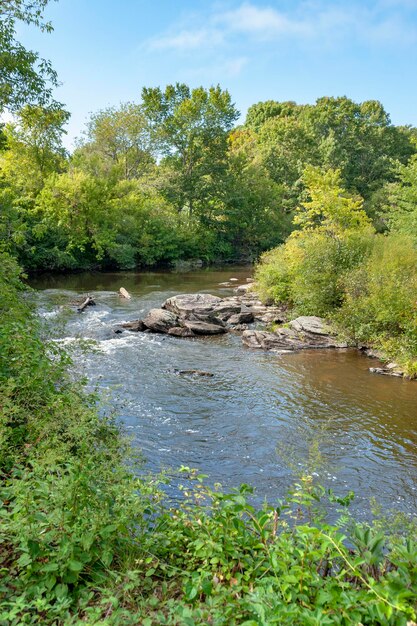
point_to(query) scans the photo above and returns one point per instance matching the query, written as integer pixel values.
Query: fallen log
(123, 293)
(87, 302)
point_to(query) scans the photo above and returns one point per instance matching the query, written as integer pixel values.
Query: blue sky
(105, 51)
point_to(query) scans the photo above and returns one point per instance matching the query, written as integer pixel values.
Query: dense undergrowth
(337, 266)
(86, 538)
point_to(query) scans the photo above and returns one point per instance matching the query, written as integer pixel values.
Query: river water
(254, 421)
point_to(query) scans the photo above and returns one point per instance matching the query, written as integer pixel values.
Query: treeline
(171, 177)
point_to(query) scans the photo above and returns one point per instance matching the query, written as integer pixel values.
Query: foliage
(336, 266)
(117, 144)
(335, 236)
(24, 76)
(190, 129)
(380, 304)
(401, 200)
(329, 208)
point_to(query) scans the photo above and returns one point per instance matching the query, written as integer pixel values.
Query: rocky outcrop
(189, 315)
(301, 333)
(184, 304)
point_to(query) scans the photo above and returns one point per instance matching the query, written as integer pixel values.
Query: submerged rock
(390, 369)
(193, 373)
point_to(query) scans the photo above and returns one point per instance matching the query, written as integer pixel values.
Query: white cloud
(186, 40)
(310, 21)
(266, 21)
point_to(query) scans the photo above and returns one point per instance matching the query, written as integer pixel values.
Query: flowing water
(255, 420)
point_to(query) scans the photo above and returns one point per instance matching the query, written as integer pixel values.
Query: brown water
(259, 413)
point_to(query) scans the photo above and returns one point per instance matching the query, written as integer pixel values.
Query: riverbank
(84, 540)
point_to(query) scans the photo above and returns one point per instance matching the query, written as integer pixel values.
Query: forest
(323, 199)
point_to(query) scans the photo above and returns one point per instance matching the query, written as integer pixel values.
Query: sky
(105, 51)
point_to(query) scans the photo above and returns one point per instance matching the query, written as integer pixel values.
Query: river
(255, 420)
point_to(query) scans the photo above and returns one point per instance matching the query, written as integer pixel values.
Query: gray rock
(203, 328)
(180, 331)
(244, 317)
(184, 304)
(285, 339)
(288, 339)
(243, 288)
(310, 324)
(386, 371)
(193, 373)
(238, 328)
(134, 326)
(160, 321)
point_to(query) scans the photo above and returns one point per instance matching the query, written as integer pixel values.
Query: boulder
(310, 324)
(283, 340)
(134, 326)
(227, 307)
(243, 288)
(184, 304)
(288, 339)
(203, 328)
(244, 317)
(180, 331)
(160, 321)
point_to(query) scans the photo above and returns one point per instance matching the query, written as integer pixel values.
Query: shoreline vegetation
(85, 536)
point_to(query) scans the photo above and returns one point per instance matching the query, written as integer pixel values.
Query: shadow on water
(260, 411)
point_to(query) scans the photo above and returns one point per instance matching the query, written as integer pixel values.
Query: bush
(380, 300)
(308, 272)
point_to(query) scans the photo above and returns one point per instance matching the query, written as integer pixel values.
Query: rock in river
(303, 333)
(184, 304)
(160, 321)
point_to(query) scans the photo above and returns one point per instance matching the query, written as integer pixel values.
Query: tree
(33, 148)
(117, 143)
(190, 130)
(24, 76)
(400, 200)
(261, 112)
(329, 208)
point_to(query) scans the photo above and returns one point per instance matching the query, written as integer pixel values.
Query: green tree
(24, 76)
(116, 143)
(329, 207)
(400, 200)
(261, 112)
(33, 148)
(190, 130)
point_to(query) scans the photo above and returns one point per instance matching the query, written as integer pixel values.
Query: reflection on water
(259, 412)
